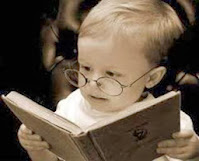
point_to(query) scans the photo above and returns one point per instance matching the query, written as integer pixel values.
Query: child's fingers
(183, 134)
(30, 148)
(171, 151)
(34, 144)
(179, 156)
(24, 129)
(28, 134)
(172, 143)
(33, 137)
(167, 143)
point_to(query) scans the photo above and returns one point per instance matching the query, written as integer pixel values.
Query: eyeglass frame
(121, 85)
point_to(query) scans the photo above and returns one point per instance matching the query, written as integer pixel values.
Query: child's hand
(31, 141)
(184, 145)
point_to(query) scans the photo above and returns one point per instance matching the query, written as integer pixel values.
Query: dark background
(20, 65)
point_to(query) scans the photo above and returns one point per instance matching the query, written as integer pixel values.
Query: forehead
(113, 52)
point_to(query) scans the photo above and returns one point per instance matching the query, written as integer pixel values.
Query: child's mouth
(98, 98)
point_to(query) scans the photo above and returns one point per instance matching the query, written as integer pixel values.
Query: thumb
(183, 134)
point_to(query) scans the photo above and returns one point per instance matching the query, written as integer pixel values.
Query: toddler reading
(121, 43)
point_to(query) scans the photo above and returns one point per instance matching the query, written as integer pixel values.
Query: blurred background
(20, 64)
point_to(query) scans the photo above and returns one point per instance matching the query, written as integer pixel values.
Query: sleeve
(64, 106)
(185, 122)
(61, 107)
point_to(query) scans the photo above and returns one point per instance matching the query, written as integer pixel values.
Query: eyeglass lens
(105, 84)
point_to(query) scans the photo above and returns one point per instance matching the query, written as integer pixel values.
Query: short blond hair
(153, 22)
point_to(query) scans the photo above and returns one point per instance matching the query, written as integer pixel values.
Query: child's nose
(93, 80)
(95, 76)
(91, 86)
(92, 83)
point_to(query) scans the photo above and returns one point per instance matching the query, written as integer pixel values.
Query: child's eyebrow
(82, 61)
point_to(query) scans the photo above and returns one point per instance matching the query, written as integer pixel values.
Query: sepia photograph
(100, 80)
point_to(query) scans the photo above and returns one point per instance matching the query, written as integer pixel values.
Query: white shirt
(76, 109)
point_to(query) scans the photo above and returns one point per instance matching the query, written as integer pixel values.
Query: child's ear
(155, 76)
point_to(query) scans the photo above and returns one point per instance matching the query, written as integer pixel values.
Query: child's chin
(105, 108)
(99, 107)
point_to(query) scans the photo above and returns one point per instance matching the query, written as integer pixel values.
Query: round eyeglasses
(107, 85)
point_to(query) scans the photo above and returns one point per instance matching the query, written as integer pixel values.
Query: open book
(130, 135)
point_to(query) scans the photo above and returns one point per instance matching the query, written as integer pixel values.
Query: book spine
(84, 142)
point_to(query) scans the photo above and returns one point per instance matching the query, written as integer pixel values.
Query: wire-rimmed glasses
(107, 85)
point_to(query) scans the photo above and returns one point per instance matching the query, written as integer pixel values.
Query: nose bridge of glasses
(93, 76)
(107, 85)
(94, 82)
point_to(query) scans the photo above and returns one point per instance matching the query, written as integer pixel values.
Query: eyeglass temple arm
(142, 76)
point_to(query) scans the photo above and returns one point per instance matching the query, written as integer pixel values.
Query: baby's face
(115, 60)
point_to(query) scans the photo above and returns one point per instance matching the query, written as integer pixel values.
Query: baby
(121, 44)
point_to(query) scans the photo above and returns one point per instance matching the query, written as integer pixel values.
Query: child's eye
(110, 74)
(85, 68)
